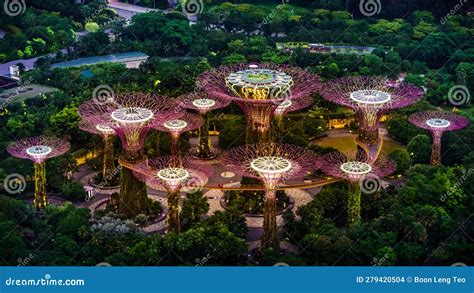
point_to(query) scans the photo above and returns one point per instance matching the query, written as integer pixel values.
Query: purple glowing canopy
(438, 121)
(130, 115)
(171, 173)
(38, 149)
(270, 161)
(362, 92)
(354, 166)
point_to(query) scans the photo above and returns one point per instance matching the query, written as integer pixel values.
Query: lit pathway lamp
(355, 168)
(203, 103)
(39, 149)
(272, 164)
(130, 115)
(259, 90)
(108, 134)
(177, 124)
(370, 98)
(438, 122)
(173, 175)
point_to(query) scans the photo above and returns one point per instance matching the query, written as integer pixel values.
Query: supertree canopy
(108, 134)
(358, 169)
(370, 98)
(131, 116)
(259, 89)
(272, 164)
(173, 174)
(39, 149)
(203, 103)
(177, 124)
(438, 122)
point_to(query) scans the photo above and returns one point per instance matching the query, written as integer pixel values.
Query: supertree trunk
(133, 198)
(172, 218)
(270, 232)
(436, 152)
(108, 160)
(280, 128)
(204, 144)
(353, 203)
(40, 200)
(369, 136)
(175, 147)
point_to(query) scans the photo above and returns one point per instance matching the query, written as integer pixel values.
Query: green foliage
(73, 191)
(420, 148)
(194, 207)
(402, 159)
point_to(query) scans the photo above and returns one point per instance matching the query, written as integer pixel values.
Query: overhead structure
(355, 168)
(173, 175)
(176, 124)
(371, 98)
(272, 164)
(131, 116)
(438, 122)
(203, 103)
(259, 89)
(39, 149)
(108, 134)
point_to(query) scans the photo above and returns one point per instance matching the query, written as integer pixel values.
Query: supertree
(108, 134)
(438, 122)
(203, 103)
(131, 116)
(259, 90)
(176, 124)
(173, 175)
(288, 106)
(272, 164)
(370, 98)
(39, 149)
(357, 169)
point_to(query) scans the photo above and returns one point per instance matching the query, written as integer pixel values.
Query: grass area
(341, 143)
(347, 144)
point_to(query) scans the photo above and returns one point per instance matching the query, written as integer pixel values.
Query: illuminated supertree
(203, 103)
(173, 175)
(259, 90)
(131, 116)
(176, 124)
(370, 98)
(108, 134)
(39, 149)
(438, 122)
(272, 164)
(288, 106)
(359, 170)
